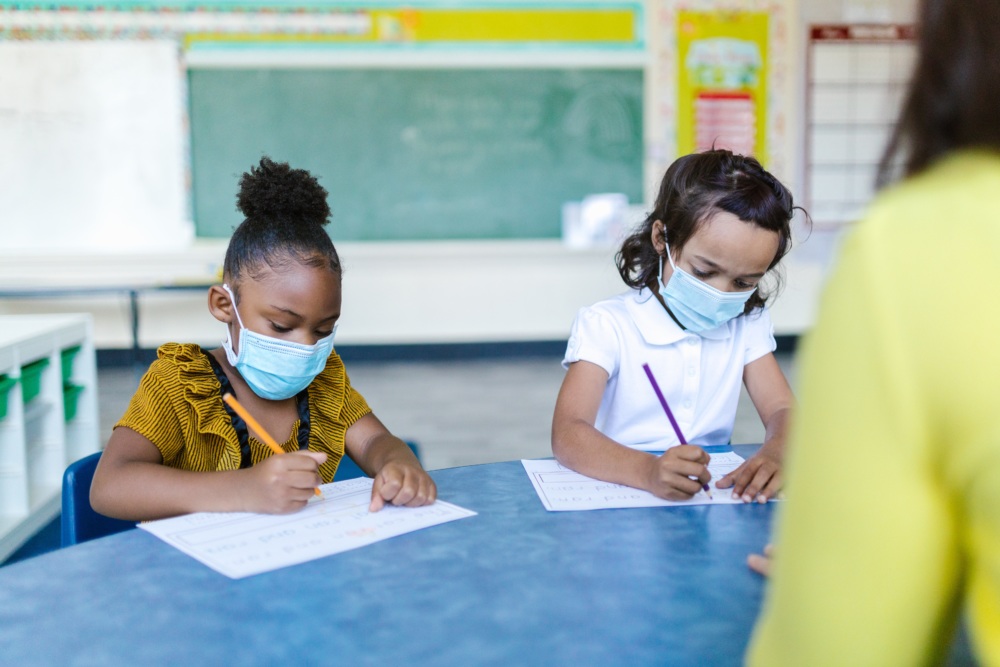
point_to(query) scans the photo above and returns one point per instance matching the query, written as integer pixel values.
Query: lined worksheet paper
(240, 544)
(562, 490)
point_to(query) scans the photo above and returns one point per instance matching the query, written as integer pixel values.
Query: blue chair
(79, 520)
(348, 469)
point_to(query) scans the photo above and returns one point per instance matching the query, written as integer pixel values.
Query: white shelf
(36, 440)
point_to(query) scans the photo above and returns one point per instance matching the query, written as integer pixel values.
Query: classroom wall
(445, 291)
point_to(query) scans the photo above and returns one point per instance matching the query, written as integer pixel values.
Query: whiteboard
(92, 146)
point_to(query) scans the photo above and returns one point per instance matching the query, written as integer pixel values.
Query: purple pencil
(670, 415)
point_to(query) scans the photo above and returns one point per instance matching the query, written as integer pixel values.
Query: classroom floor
(460, 412)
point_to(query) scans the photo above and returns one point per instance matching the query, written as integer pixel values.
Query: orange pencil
(255, 425)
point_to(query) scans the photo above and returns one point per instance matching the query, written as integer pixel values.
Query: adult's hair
(694, 188)
(285, 213)
(951, 101)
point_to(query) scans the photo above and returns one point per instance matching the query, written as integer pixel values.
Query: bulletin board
(768, 35)
(722, 81)
(856, 78)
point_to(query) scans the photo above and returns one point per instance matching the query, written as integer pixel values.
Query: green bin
(67, 362)
(71, 394)
(6, 384)
(31, 379)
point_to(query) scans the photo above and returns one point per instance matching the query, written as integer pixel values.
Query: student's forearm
(140, 491)
(776, 432)
(578, 445)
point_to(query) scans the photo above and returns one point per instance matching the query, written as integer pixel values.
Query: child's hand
(283, 484)
(759, 477)
(402, 483)
(670, 475)
(762, 564)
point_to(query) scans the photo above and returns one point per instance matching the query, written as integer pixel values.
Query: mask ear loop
(231, 354)
(232, 297)
(670, 259)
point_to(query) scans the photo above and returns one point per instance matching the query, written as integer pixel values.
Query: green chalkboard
(421, 154)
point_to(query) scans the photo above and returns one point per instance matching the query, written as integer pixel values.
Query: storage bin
(31, 379)
(71, 394)
(67, 362)
(6, 384)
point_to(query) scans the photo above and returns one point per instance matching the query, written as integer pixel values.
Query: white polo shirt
(700, 375)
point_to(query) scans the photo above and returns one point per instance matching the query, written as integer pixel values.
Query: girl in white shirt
(697, 316)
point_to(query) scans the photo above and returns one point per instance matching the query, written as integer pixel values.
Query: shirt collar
(655, 324)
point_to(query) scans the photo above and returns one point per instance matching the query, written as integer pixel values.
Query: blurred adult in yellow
(892, 527)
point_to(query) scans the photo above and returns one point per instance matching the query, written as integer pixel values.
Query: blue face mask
(275, 369)
(697, 305)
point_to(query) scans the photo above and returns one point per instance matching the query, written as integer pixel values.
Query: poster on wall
(722, 65)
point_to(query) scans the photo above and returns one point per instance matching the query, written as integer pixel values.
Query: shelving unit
(49, 416)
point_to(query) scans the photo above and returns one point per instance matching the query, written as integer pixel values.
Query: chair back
(79, 521)
(348, 469)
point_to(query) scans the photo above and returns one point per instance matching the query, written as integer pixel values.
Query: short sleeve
(355, 405)
(151, 414)
(758, 335)
(335, 405)
(593, 338)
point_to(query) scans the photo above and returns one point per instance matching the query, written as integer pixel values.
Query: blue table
(515, 585)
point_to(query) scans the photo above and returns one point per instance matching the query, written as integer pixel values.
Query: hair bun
(273, 191)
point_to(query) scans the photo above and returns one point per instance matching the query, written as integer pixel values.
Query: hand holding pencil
(687, 461)
(299, 472)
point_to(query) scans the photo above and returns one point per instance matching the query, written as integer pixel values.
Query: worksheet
(240, 544)
(562, 490)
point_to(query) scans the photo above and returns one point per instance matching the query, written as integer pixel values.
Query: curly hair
(285, 212)
(696, 186)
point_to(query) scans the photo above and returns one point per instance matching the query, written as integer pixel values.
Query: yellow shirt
(893, 518)
(178, 407)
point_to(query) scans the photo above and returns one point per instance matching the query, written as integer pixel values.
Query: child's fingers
(688, 453)
(426, 492)
(318, 457)
(771, 490)
(678, 487)
(406, 493)
(308, 480)
(728, 480)
(742, 476)
(761, 479)
(385, 487)
(416, 490)
(688, 469)
(301, 460)
(432, 490)
(760, 564)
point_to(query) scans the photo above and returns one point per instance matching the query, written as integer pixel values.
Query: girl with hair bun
(180, 448)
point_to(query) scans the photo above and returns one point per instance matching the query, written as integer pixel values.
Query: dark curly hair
(694, 187)
(284, 211)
